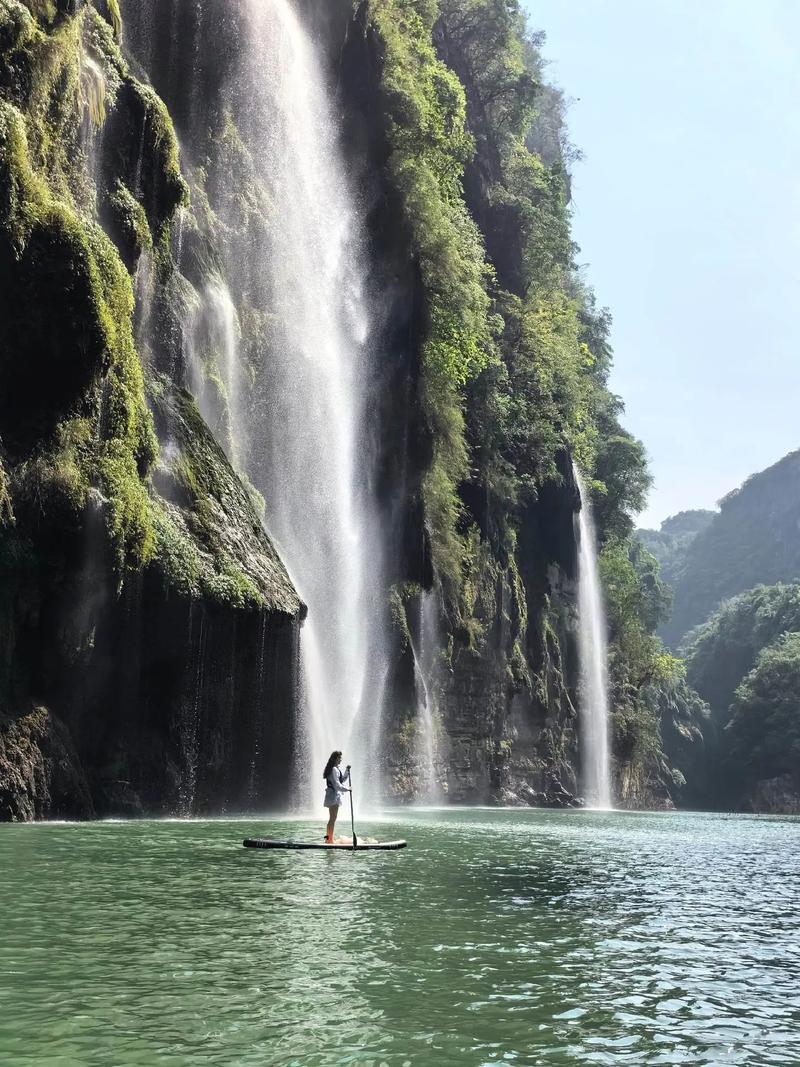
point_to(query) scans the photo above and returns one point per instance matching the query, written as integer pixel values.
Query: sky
(687, 210)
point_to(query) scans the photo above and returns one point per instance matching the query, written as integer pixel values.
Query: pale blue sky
(687, 211)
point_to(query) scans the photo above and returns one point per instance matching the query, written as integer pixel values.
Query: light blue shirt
(334, 794)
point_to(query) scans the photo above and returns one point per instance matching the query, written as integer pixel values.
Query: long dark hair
(329, 765)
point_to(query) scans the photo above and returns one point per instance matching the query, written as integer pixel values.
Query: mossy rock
(125, 221)
(210, 541)
(16, 25)
(139, 147)
(52, 340)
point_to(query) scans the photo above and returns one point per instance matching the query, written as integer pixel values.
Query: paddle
(352, 818)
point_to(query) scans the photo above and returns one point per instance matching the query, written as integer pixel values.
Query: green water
(497, 937)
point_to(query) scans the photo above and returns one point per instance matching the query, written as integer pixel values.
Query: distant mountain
(670, 543)
(754, 539)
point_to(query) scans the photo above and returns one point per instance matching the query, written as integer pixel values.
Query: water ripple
(499, 937)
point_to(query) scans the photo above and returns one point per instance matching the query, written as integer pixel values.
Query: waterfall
(307, 450)
(278, 335)
(593, 652)
(302, 269)
(425, 649)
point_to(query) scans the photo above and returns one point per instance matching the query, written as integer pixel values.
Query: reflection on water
(498, 937)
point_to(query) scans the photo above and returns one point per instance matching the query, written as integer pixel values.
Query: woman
(334, 790)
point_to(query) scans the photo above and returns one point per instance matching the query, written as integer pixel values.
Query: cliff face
(147, 626)
(501, 685)
(504, 672)
(148, 630)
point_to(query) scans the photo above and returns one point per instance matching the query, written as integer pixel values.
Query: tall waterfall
(287, 312)
(593, 651)
(307, 450)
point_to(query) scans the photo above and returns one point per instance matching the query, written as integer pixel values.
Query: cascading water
(593, 652)
(425, 650)
(277, 336)
(307, 451)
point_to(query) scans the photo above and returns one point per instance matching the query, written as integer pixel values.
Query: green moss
(17, 182)
(55, 109)
(164, 189)
(93, 90)
(426, 115)
(194, 573)
(16, 26)
(110, 10)
(426, 120)
(399, 621)
(177, 555)
(231, 586)
(52, 483)
(95, 301)
(127, 223)
(44, 10)
(209, 538)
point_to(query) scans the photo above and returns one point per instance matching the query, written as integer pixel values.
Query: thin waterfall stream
(425, 649)
(593, 652)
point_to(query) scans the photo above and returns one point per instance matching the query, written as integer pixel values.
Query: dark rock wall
(504, 692)
(148, 629)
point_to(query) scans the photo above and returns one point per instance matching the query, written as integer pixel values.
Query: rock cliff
(149, 632)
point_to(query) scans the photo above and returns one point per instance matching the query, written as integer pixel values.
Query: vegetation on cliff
(720, 568)
(671, 541)
(763, 735)
(746, 720)
(517, 355)
(93, 506)
(83, 145)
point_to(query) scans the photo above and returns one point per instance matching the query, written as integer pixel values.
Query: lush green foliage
(517, 356)
(111, 444)
(752, 541)
(426, 127)
(722, 665)
(722, 651)
(764, 731)
(636, 601)
(74, 418)
(620, 470)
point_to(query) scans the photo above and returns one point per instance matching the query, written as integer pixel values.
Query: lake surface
(517, 937)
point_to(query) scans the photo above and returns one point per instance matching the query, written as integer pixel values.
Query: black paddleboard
(264, 842)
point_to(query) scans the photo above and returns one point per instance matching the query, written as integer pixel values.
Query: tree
(764, 731)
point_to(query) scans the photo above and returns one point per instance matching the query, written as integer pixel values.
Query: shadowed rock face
(40, 771)
(148, 628)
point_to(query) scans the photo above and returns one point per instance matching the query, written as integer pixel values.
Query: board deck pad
(366, 846)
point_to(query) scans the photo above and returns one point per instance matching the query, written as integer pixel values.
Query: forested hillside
(736, 636)
(753, 540)
(744, 662)
(670, 543)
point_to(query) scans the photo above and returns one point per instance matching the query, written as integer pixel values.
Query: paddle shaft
(352, 817)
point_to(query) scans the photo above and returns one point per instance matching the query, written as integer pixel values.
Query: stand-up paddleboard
(366, 846)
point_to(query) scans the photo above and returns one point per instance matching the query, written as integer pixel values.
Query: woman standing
(334, 790)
